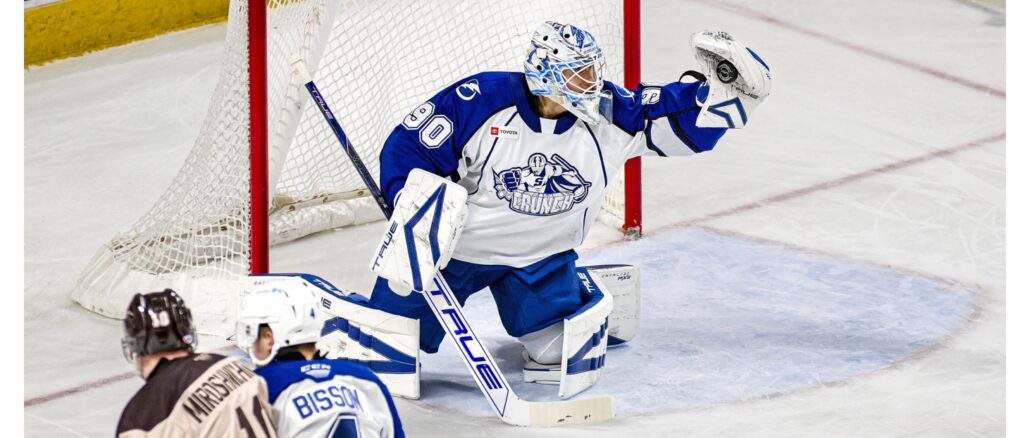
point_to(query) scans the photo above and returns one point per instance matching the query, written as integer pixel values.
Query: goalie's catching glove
(737, 80)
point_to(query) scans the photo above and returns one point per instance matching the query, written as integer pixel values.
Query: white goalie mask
(566, 64)
(290, 308)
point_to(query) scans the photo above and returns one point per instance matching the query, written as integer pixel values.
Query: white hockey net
(374, 61)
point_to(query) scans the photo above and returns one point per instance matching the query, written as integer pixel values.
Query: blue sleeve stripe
(491, 152)
(483, 170)
(650, 143)
(599, 154)
(682, 135)
(583, 233)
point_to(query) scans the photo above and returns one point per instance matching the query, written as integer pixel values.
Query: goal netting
(374, 60)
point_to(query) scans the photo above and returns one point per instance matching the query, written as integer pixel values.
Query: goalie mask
(289, 307)
(157, 322)
(566, 64)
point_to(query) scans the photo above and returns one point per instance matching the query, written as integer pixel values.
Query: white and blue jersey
(535, 185)
(329, 398)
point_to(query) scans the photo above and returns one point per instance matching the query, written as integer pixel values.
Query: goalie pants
(528, 299)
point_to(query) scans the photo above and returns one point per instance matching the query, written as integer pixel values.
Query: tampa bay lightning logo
(544, 187)
(575, 36)
(468, 90)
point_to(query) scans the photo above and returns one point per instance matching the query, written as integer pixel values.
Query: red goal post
(632, 214)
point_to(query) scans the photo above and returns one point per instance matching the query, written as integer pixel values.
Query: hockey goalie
(497, 178)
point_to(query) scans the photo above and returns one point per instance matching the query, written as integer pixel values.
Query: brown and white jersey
(200, 395)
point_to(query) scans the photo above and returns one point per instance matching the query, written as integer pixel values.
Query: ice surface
(725, 319)
(835, 269)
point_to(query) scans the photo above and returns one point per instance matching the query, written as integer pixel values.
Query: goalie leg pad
(585, 338)
(545, 348)
(387, 343)
(623, 282)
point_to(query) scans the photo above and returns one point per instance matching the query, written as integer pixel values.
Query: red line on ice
(81, 388)
(92, 385)
(855, 47)
(843, 180)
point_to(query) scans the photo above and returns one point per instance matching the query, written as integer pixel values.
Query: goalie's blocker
(429, 214)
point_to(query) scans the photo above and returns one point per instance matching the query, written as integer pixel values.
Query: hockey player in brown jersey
(186, 394)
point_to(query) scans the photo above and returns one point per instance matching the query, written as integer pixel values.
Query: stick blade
(562, 413)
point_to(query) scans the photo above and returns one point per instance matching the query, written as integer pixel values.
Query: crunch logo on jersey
(545, 187)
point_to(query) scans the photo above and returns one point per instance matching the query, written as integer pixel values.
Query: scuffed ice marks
(726, 320)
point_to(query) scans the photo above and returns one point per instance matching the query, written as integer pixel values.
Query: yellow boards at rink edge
(65, 28)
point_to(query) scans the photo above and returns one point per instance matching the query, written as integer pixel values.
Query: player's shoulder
(480, 94)
(619, 93)
(280, 375)
(625, 106)
(166, 385)
(173, 377)
(487, 83)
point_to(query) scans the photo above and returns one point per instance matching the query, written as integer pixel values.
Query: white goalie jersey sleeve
(329, 398)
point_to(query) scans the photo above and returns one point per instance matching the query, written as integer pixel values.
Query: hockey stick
(480, 362)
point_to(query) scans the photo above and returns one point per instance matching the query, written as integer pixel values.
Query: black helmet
(156, 322)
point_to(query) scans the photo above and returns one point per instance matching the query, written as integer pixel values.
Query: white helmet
(537, 162)
(289, 305)
(558, 54)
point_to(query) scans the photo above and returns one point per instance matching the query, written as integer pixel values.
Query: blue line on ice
(726, 319)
